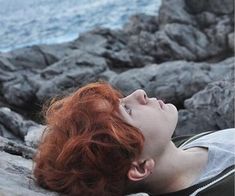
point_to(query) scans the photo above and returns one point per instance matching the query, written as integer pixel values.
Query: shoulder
(221, 134)
(221, 184)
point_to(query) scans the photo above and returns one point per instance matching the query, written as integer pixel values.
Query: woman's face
(155, 119)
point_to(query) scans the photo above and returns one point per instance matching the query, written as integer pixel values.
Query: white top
(221, 152)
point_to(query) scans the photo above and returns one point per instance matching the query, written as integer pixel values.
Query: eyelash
(128, 110)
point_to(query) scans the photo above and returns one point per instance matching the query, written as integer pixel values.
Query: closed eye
(128, 110)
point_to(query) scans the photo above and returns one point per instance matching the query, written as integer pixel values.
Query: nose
(140, 96)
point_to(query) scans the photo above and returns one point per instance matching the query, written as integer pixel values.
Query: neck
(176, 169)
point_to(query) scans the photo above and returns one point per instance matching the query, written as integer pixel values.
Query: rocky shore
(183, 55)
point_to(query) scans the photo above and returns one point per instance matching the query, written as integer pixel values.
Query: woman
(98, 142)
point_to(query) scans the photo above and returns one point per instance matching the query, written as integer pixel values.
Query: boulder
(209, 109)
(16, 176)
(172, 81)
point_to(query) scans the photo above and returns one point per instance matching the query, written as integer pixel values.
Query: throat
(194, 165)
(180, 169)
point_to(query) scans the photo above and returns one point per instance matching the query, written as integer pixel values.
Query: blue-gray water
(28, 22)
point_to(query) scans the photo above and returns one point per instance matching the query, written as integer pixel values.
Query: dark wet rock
(210, 109)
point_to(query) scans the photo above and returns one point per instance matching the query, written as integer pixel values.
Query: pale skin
(161, 166)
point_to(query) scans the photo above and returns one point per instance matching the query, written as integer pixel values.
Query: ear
(141, 170)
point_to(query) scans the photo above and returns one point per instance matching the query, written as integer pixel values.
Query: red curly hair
(87, 149)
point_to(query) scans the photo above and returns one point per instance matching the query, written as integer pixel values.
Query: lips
(161, 103)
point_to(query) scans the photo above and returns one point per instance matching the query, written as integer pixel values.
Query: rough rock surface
(173, 81)
(16, 177)
(183, 55)
(209, 109)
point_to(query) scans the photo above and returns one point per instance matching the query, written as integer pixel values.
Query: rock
(183, 30)
(215, 6)
(19, 90)
(67, 74)
(107, 75)
(91, 43)
(183, 55)
(141, 22)
(41, 56)
(15, 123)
(172, 81)
(13, 126)
(7, 134)
(178, 41)
(174, 12)
(231, 41)
(200, 22)
(209, 109)
(16, 177)
(70, 72)
(16, 148)
(33, 136)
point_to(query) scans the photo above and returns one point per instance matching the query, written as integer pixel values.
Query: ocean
(29, 22)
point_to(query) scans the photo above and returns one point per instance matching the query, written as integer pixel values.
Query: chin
(173, 108)
(174, 113)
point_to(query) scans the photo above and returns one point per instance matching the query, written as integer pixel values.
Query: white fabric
(221, 152)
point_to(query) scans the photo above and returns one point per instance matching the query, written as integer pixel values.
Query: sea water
(29, 22)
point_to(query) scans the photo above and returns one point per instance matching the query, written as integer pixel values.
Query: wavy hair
(86, 148)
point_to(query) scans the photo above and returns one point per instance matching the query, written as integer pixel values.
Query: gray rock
(91, 43)
(19, 90)
(172, 81)
(181, 34)
(41, 56)
(33, 136)
(69, 73)
(176, 34)
(7, 134)
(198, 34)
(16, 148)
(178, 41)
(16, 177)
(173, 11)
(215, 6)
(206, 19)
(15, 123)
(209, 109)
(13, 126)
(231, 41)
(141, 22)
